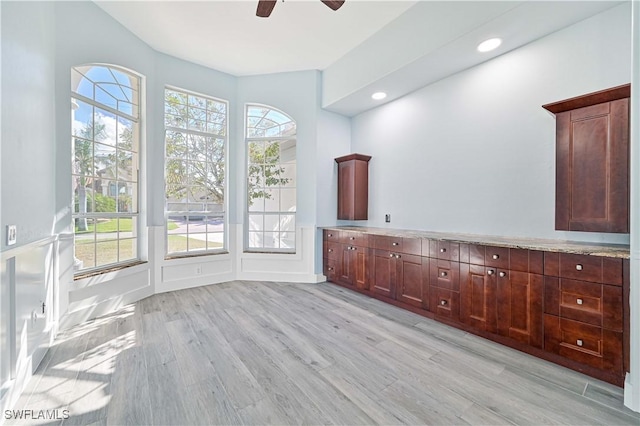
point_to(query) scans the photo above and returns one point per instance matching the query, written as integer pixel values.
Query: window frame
(225, 205)
(247, 212)
(137, 119)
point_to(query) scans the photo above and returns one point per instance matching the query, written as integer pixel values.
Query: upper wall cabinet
(353, 187)
(592, 161)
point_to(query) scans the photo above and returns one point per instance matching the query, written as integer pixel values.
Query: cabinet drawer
(332, 250)
(398, 244)
(444, 274)
(583, 267)
(498, 257)
(354, 238)
(584, 343)
(444, 250)
(526, 261)
(591, 303)
(329, 269)
(331, 235)
(444, 303)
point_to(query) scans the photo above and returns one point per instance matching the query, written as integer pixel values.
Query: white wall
(28, 182)
(475, 152)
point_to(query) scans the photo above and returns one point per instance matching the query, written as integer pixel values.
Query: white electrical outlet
(12, 235)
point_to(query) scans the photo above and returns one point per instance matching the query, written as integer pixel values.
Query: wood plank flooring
(276, 353)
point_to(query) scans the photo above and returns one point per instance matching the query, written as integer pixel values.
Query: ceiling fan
(265, 7)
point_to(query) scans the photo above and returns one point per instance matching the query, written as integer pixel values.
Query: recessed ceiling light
(489, 45)
(378, 95)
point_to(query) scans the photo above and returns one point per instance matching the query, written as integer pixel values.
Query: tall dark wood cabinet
(353, 187)
(592, 161)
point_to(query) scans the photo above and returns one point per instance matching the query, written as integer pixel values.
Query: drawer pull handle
(443, 302)
(352, 238)
(503, 274)
(579, 267)
(394, 244)
(391, 254)
(443, 274)
(330, 250)
(398, 256)
(579, 301)
(330, 268)
(579, 342)
(354, 248)
(490, 272)
(329, 235)
(443, 250)
(496, 256)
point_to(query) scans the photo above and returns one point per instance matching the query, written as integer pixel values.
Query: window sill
(190, 255)
(109, 269)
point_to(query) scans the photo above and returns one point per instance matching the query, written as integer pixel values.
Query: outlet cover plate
(12, 235)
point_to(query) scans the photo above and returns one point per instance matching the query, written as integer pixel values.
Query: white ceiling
(229, 37)
(366, 46)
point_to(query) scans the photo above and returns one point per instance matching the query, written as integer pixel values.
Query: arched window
(105, 123)
(271, 180)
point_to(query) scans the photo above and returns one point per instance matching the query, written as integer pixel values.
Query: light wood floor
(269, 353)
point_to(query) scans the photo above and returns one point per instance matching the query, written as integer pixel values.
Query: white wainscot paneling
(178, 274)
(298, 267)
(27, 314)
(101, 294)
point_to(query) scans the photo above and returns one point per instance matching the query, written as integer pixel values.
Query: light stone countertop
(594, 249)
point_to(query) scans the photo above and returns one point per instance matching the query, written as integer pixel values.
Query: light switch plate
(387, 218)
(12, 235)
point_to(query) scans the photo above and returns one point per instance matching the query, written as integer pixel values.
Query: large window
(195, 140)
(271, 180)
(105, 127)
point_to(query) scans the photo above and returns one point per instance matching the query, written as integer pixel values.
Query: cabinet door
(519, 306)
(360, 267)
(346, 272)
(478, 296)
(592, 168)
(410, 288)
(384, 273)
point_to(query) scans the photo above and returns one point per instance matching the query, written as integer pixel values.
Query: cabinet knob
(394, 244)
(443, 302)
(496, 256)
(443, 250)
(329, 235)
(579, 342)
(398, 256)
(443, 274)
(579, 267)
(490, 272)
(330, 250)
(354, 248)
(502, 274)
(579, 301)
(352, 238)
(391, 255)
(330, 268)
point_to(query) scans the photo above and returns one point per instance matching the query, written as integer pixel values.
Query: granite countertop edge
(573, 247)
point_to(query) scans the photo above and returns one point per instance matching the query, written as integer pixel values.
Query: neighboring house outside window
(195, 172)
(105, 124)
(271, 180)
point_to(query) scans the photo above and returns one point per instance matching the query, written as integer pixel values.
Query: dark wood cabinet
(353, 187)
(592, 161)
(519, 297)
(399, 275)
(567, 308)
(478, 297)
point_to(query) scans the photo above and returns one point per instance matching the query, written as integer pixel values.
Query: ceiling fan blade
(333, 4)
(265, 7)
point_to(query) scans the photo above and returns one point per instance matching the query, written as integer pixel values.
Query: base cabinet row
(526, 297)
